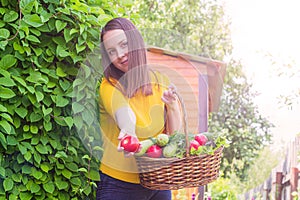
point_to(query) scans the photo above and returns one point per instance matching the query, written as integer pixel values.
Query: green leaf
(26, 169)
(76, 181)
(4, 33)
(61, 184)
(39, 96)
(33, 20)
(34, 129)
(69, 121)
(2, 172)
(41, 149)
(7, 61)
(6, 93)
(3, 140)
(27, 156)
(33, 38)
(49, 187)
(7, 81)
(94, 175)
(77, 108)
(37, 174)
(25, 196)
(61, 101)
(21, 111)
(60, 25)
(72, 166)
(34, 188)
(18, 47)
(60, 51)
(11, 140)
(46, 111)
(61, 154)
(79, 48)
(45, 167)
(6, 126)
(3, 109)
(26, 6)
(35, 117)
(47, 126)
(10, 16)
(60, 72)
(8, 184)
(66, 173)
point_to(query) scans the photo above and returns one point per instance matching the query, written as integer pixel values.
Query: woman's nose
(121, 52)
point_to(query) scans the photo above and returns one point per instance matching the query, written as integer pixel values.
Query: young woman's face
(115, 44)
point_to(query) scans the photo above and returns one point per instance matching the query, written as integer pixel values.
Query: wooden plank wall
(283, 180)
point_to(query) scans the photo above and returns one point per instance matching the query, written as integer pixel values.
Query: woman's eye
(111, 52)
(124, 44)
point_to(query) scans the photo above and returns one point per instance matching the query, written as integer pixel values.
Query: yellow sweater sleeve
(112, 98)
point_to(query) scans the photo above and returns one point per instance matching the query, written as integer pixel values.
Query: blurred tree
(202, 28)
(288, 70)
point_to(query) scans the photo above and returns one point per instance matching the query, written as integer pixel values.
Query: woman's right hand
(128, 144)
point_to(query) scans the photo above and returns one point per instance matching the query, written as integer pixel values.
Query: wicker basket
(177, 173)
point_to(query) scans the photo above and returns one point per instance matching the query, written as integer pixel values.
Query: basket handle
(185, 123)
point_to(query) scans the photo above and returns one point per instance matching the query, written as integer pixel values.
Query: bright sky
(268, 26)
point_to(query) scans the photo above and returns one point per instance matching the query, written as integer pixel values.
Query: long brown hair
(137, 77)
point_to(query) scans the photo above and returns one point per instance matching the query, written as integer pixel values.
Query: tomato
(130, 144)
(201, 139)
(194, 144)
(154, 151)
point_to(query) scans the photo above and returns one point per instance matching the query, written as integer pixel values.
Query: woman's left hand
(169, 96)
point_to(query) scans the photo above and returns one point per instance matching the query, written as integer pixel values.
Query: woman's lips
(125, 62)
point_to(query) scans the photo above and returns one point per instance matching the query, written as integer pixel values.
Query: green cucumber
(145, 146)
(170, 150)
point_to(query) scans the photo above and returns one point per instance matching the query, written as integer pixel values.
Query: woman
(133, 101)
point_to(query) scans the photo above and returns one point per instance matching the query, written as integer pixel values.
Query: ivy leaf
(7, 81)
(34, 188)
(77, 108)
(25, 196)
(49, 187)
(21, 111)
(69, 121)
(4, 33)
(60, 25)
(66, 173)
(6, 126)
(61, 101)
(8, 184)
(60, 72)
(61, 184)
(10, 16)
(3, 140)
(7, 61)
(33, 38)
(3, 108)
(6, 93)
(2, 172)
(33, 20)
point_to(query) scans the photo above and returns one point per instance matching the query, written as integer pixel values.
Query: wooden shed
(198, 80)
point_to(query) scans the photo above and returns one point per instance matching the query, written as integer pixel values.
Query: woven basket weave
(177, 173)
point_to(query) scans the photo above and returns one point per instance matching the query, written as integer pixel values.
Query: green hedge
(48, 118)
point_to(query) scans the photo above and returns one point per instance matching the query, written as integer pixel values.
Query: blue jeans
(113, 189)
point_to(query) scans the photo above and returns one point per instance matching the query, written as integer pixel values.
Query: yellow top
(149, 112)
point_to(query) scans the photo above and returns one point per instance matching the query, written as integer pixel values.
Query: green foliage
(238, 118)
(45, 107)
(221, 189)
(267, 160)
(197, 27)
